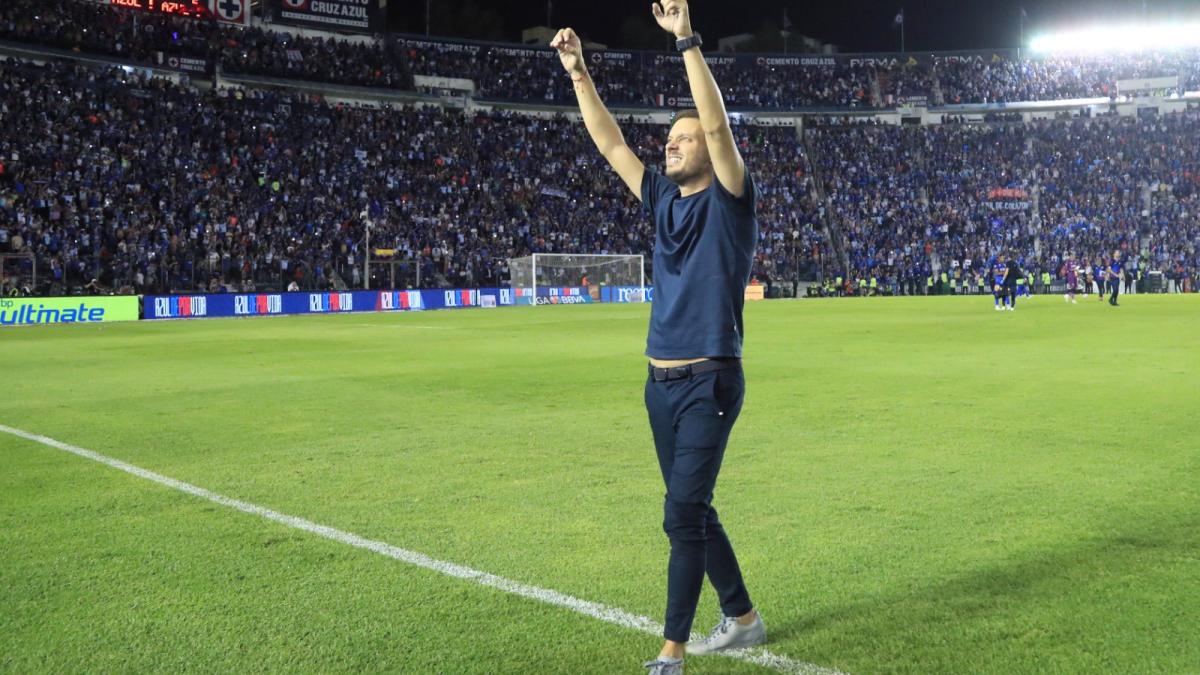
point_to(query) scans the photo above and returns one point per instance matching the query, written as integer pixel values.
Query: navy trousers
(691, 419)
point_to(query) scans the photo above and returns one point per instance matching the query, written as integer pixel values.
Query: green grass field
(915, 486)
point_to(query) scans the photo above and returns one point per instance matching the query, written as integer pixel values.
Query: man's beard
(682, 174)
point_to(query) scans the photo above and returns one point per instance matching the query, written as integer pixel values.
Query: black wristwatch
(688, 42)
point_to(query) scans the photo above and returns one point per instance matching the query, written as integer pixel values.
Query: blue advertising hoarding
(625, 294)
(340, 302)
(279, 304)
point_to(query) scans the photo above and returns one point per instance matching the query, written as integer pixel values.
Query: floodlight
(1130, 38)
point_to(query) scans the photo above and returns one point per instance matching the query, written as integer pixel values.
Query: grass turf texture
(916, 486)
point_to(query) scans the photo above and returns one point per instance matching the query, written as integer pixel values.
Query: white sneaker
(729, 634)
(662, 666)
(999, 308)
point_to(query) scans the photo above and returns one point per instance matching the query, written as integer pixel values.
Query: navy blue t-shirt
(703, 250)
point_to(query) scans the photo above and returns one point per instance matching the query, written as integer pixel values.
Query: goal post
(542, 277)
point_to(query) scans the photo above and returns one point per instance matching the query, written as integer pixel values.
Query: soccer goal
(545, 278)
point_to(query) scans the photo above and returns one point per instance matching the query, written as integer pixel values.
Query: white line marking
(595, 610)
(403, 325)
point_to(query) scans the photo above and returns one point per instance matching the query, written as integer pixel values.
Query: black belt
(686, 372)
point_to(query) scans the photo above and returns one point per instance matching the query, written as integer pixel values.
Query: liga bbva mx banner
(364, 16)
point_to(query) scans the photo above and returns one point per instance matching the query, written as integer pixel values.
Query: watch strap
(688, 42)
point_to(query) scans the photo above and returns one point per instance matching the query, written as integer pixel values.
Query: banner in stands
(186, 64)
(885, 61)
(1008, 199)
(888, 61)
(442, 46)
(1008, 205)
(228, 11)
(525, 52)
(677, 60)
(799, 61)
(614, 58)
(99, 309)
(668, 101)
(366, 16)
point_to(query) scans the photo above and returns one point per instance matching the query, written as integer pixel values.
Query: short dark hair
(686, 114)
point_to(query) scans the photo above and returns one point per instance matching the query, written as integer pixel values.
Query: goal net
(548, 278)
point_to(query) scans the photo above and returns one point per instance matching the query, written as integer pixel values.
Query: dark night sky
(853, 25)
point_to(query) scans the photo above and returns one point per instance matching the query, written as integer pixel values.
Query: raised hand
(570, 51)
(672, 16)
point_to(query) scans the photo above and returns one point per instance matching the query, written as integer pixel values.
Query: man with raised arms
(705, 234)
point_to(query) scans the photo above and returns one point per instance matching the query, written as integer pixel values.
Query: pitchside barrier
(281, 304)
(97, 309)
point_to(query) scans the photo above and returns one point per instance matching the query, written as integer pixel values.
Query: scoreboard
(228, 11)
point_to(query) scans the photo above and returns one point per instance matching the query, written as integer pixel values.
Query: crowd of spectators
(913, 202)
(143, 185)
(646, 80)
(1061, 77)
(116, 181)
(517, 72)
(145, 38)
(112, 180)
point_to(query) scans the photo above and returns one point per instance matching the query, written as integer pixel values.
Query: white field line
(596, 610)
(403, 325)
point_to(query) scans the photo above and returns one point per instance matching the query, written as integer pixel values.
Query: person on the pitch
(1070, 272)
(1013, 273)
(999, 273)
(1114, 277)
(705, 236)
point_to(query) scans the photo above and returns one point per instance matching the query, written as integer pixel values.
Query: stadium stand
(144, 185)
(908, 199)
(151, 186)
(518, 72)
